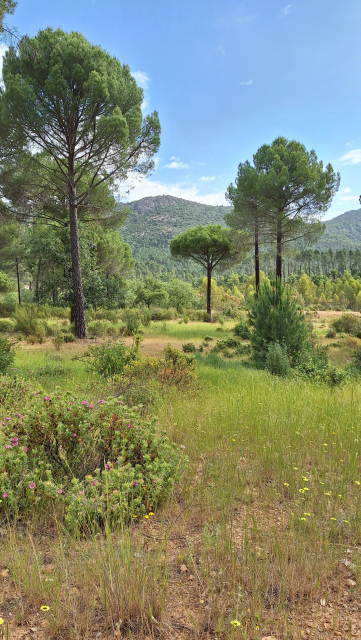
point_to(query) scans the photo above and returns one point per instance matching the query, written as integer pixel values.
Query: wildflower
(339, 495)
(146, 516)
(305, 488)
(357, 482)
(25, 449)
(295, 468)
(345, 521)
(135, 516)
(74, 435)
(328, 493)
(304, 479)
(94, 483)
(233, 440)
(107, 466)
(60, 491)
(1, 621)
(8, 446)
(135, 483)
(306, 514)
(31, 485)
(286, 484)
(90, 406)
(201, 601)
(302, 518)
(81, 493)
(301, 490)
(45, 608)
(19, 415)
(84, 401)
(235, 623)
(151, 513)
(7, 418)
(5, 495)
(333, 518)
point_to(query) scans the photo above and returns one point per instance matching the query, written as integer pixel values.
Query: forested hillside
(154, 221)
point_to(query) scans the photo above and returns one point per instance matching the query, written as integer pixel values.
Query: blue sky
(228, 76)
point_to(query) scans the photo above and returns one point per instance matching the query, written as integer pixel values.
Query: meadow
(261, 536)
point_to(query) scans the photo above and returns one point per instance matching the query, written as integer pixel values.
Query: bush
(348, 323)
(28, 322)
(189, 347)
(7, 355)
(314, 364)
(277, 361)
(275, 318)
(91, 463)
(163, 314)
(101, 328)
(133, 319)
(111, 358)
(331, 333)
(7, 325)
(356, 358)
(241, 330)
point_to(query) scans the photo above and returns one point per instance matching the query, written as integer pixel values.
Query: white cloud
(287, 10)
(345, 190)
(348, 198)
(141, 78)
(176, 164)
(246, 83)
(234, 19)
(207, 178)
(352, 157)
(3, 50)
(136, 189)
(349, 144)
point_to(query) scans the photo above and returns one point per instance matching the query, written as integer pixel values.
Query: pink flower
(8, 446)
(31, 485)
(19, 415)
(72, 403)
(135, 483)
(7, 418)
(74, 435)
(107, 466)
(84, 401)
(15, 443)
(5, 495)
(25, 449)
(60, 491)
(81, 493)
(94, 483)
(90, 406)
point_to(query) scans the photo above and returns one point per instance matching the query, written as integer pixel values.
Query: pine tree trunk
(37, 281)
(79, 309)
(209, 292)
(256, 255)
(18, 279)
(279, 251)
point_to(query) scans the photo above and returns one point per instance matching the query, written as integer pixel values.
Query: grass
(257, 532)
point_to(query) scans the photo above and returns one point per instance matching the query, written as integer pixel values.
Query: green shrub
(314, 364)
(189, 347)
(348, 323)
(133, 319)
(185, 319)
(277, 361)
(90, 463)
(356, 358)
(241, 330)
(274, 318)
(111, 358)
(163, 314)
(7, 325)
(331, 333)
(7, 355)
(208, 338)
(28, 322)
(101, 328)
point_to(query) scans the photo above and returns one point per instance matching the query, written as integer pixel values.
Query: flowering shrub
(95, 462)
(7, 354)
(110, 358)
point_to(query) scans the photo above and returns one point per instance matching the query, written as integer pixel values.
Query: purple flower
(19, 415)
(94, 483)
(90, 406)
(84, 401)
(25, 449)
(8, 446)
(72, 403)
(74, 435)
(15, 443)
(135, 483)
(107, 466)
(5, 495)
(31, 485)
(7, 418)
(81, 493)
(60, 491)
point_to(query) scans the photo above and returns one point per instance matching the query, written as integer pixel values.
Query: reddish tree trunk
(209, 292)
(79, 309)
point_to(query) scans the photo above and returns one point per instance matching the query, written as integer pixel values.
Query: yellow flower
(344, 520)
(339, 495)
(286, 484)
(302, 518)
(306, 514)
(357, 482)
(233, 440)
(304, 479)
(151, 513)
(301, 490)
(135, 516)
(333, 518)
(328, 493)
(146, 516)
(1, 621)
(45, 608)
(235, 623)
(295, 468)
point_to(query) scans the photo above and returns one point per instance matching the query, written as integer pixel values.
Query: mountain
(342, 231)
(154, 221)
